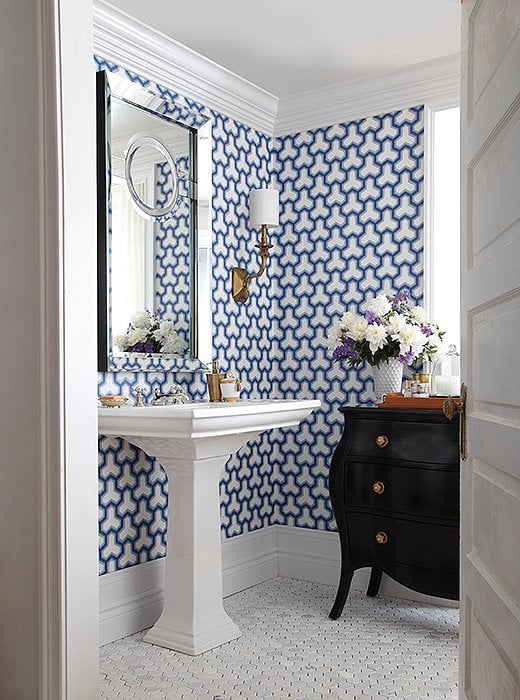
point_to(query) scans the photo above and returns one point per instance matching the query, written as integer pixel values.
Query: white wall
(19, 448)
(48, 447)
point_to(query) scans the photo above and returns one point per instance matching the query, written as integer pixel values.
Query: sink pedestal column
(193, 619)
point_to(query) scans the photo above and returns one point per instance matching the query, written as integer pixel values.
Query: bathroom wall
(351, 226)
(172, 269)
(132, 488)
(352, 222)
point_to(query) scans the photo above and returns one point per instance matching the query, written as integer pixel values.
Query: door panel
(492, 30)
(487, 669)
(490, 284)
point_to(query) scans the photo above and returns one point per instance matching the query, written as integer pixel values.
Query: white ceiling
(289, 47)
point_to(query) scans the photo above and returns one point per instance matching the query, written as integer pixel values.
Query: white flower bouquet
(390, 327)
(148, 333)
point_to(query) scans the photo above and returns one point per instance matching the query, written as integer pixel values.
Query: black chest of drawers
(394, 487)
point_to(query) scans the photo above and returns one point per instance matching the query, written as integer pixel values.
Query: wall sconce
(263, 211)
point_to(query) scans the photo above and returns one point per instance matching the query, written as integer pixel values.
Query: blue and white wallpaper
(352, 219)
(172, 247)
(133, 488)
(350, 227)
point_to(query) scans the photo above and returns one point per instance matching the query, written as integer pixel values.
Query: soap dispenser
(214, 378)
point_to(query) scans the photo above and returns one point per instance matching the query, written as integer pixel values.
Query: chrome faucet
(139, 402)
(176, 395)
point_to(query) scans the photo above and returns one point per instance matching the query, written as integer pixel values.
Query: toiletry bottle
(214, 378)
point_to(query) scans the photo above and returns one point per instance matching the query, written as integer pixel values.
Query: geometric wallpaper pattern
(351, 213)
(351, 200)
(241, 341)
(172, 244)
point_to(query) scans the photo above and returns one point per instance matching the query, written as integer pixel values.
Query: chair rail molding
(122, 39)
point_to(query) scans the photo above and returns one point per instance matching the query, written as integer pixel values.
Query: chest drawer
(433, 443)
(383, 538)
(428, 493)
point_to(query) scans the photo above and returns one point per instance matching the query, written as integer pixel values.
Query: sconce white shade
(263, 207)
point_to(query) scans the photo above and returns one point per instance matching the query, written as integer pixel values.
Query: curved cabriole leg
(375, 582)
(341, 595)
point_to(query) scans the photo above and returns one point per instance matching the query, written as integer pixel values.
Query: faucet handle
(179, 394)
(138, 391)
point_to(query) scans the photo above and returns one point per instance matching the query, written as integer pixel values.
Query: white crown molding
(436, 81)
(124, 40)
(120, 38)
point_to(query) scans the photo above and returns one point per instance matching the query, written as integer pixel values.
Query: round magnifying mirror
(143, 151)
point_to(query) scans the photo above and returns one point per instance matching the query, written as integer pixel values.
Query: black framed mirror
(154, 230)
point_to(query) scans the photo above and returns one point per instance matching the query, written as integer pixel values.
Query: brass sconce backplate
(240, 286)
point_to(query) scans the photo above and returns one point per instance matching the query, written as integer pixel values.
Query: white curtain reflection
(129, 254)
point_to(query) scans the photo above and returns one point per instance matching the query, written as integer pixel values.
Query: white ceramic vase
(388, 378)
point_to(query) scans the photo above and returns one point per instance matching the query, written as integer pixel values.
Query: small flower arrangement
(148, 333)
(390, 327)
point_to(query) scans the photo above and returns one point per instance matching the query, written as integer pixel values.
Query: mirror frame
(199, 126)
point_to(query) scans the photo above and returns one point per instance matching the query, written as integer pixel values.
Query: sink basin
(192, 443)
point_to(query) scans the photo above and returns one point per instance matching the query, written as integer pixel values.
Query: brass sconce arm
(241, 277)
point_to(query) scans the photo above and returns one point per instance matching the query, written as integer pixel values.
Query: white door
(490, 283)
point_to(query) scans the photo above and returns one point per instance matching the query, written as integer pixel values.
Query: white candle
(446, 384)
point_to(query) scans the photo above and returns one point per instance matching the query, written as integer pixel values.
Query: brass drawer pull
(378, 487)
(381, 538)
(382, 441)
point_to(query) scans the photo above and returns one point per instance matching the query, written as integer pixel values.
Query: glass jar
(446, 373)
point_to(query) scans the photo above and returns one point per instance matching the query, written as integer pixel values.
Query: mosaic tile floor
(380, 648)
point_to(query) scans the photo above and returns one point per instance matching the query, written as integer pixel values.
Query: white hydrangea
(376, 336)
(348, 319)
(395, 323)
(121, 342)
(140, 320)
(135, 336)
(380, 305)
(411, 338)
(418, 314)
(165, 330)
(173, 344)
(358, 328)
(334, 336)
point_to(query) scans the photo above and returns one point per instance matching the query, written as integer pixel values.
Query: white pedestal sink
(193, 442)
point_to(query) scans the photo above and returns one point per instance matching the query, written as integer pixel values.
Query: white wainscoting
(131, 599)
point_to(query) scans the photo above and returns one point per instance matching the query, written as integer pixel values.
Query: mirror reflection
(156, 247)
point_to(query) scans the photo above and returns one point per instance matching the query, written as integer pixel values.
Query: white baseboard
(314, 555)
(131, 599)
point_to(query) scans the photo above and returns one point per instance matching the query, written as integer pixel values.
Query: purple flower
(399, 298)
(346, 350)
(148, 346)
(371, 317)
(426, 330)
(407, 358)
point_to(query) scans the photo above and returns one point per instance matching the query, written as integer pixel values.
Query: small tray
(109, 401)
(400, 401)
